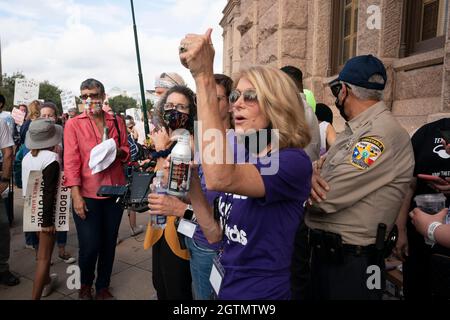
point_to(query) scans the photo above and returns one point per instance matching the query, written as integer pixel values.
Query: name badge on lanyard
(217, 274)
(187, 228)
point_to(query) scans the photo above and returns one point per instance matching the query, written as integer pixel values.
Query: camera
(132, 196)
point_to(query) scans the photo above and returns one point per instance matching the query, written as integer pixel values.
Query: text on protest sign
(25, 91)
(33, 205)
(68, 101)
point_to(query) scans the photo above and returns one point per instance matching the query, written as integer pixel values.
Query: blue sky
(67, 41)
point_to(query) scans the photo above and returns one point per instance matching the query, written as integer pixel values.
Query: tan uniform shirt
(368, 169)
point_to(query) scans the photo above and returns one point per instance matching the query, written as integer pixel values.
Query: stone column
(294, 38)
(268, 32)
(446, 77)
(247, 25)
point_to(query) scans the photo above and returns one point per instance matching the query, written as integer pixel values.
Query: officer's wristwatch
(4, 180)
(189, 213)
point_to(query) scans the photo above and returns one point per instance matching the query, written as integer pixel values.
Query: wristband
(4, 180)
(431, 229)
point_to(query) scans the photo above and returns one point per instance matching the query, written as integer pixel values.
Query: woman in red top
(97, 219)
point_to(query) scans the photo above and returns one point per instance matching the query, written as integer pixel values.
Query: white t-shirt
(9, 120)
(313, 148)
(38, 163)
(6, 139)
(323, 126)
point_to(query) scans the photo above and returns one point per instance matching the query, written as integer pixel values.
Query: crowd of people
(309, 230)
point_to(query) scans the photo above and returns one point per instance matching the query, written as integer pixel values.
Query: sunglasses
(336, 87)
(248, 95)
(93, 96)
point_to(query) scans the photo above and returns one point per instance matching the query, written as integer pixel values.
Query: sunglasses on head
(248, 95)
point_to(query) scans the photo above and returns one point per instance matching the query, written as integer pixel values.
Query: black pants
(314, 278)
(97, 238)
(418, 269)
(171, 275)
(300, 266)
(347, 280)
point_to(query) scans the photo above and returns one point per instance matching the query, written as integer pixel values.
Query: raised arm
(219, 176)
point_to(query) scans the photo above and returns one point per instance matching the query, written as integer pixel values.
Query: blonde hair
(34, 110)
(280, 102)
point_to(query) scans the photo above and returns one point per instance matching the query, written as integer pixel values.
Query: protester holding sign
(42, 137)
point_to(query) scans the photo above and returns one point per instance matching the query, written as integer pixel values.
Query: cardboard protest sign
(33, 205)
(135, 113)
(25, 91)
(68, 101)
(18, 116)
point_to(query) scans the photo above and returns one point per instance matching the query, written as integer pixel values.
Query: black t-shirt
(431, 158)
(430, 155)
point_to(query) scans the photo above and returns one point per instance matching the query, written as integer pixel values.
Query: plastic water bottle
(159, 221)
(180, 170)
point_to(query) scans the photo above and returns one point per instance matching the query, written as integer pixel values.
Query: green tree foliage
(121, 103)
(47, 91)
(7, 89)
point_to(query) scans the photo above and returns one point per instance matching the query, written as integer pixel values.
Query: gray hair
(369, 94)
(92, 84)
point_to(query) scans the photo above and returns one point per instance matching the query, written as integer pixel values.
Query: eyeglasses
(249, 96)
(93, 96)
(179, 107)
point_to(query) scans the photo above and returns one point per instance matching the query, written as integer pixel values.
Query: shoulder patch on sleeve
(366, 151)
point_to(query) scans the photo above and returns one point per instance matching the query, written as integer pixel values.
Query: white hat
(102, 156)
(168, 80)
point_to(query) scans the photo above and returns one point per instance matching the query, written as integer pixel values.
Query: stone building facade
(411, 37)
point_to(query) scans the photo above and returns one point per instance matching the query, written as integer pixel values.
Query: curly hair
(158, 114)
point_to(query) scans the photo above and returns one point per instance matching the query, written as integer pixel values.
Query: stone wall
(297, 32)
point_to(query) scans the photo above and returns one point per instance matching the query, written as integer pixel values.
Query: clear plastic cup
(430, 203)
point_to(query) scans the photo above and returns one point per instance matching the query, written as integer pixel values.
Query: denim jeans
(32, 239)
(97, 238)
(5, 238)
(201, 265)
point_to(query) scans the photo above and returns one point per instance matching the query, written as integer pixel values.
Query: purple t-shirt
(199, 237)
(260, 232)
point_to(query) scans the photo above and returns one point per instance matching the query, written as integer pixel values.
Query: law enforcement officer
(357, 188)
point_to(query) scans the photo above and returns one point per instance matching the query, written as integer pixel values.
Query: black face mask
(341, 107)
(176, 120)
(260, 145)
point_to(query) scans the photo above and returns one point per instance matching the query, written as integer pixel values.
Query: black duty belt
(331, 242)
